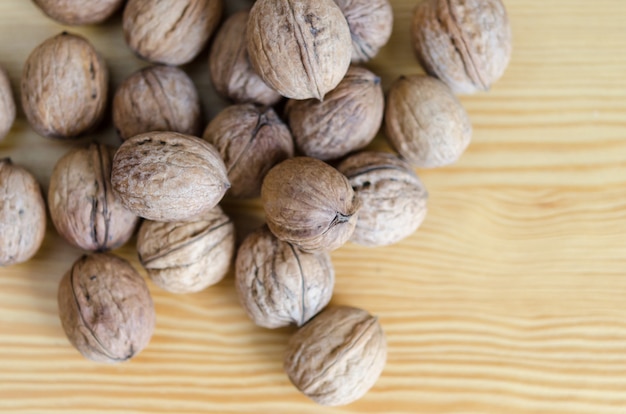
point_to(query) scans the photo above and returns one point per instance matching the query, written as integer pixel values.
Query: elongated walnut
(79, 12)
(7, 104)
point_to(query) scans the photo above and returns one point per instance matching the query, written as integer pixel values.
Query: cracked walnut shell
(79, 12)
(7, 104)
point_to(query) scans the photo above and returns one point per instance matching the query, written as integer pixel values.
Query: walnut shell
(280, 285)
(185, 257)
(22, 214)
(105, 308)
(393, 197)
(170, 32)
(64, 87)
(425, 122)
(466, 44)
(7, 104)
(300, 48)
(338, 356)
(347, 120)
(309, 204)
(166, 176)
(79, 12)
(250, 140)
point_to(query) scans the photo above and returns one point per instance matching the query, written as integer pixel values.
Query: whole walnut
(251, 140)
(280, 285)
(309, 204)
(465, 43)
(83, 207)
(170, 32)
(229, 65)
(105, 308)
(22, 214)
(347, 120)
(79, 12)
(64, 87)
(157, 98)
(393, 197)
(7, 104)
(300, 48)
(167, 176)
(425, 122)
(338, 356)
(185, 257)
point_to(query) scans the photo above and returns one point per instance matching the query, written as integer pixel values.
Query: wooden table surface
(510, 299)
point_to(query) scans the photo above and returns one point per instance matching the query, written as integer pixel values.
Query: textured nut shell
(250, 140)
(22, 214)
(64, 87)
(347, 120)
(105, 308)
(78, 12)
(166, 176)
(7, 104)
(425, 122)
(466, 44)
(229, 65)
(280, 285)
(300, 48)
(309, 204)
(83, 207)
(338, 356)
(185, 257)
(393, 197)
(157, 98)
(170, 32)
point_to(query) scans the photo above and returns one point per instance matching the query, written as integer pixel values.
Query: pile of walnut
(166, 175)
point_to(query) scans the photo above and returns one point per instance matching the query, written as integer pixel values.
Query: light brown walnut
(79, 12)
(7, 104)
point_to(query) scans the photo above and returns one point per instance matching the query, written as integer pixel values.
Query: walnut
(347, 120)
(338, 356)
(105, 308)
(300, 48)
(251, 140)
(79, 12)
(22, 214)
(185, 257)
(425, 122)
(393, 197)
(309, 204)
(7, 104)
(167, 176)
(64, 87)
(157, 98)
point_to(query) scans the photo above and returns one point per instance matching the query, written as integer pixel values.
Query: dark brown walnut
(83, 207)
(79, 12)
(300, 48)
(465, 43)
(170, 32)
(347, 120)
(157, 98)
(167, 176)
(7, 104)
(309, 204)
(105, 308)
(425, 122)
(393, 197)
(186, 257)
(229, 65)
(22, 214)
(251, 140)
(280, 285)
(338, 356)
(64, 87)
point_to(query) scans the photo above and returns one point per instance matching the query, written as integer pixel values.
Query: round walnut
(7, 104)
(250, 140)
(186, 257)
(170, 32)
(157, 98)
(347, 120)
(300, 48)
(393, 197)
(83, 207)
(79, 12)
(22, 214)
(425, 122)
(465, 43)
(280, 285)
(338, 356)
(309, 204)
(64, 87)
(105, 308)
